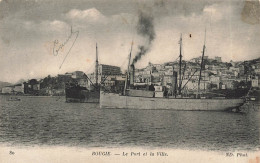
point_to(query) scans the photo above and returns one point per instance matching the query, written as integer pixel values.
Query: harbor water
(52, 122)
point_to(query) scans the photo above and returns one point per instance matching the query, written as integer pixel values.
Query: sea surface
(52, 122)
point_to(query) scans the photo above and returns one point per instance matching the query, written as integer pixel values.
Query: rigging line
(132, 23)
(210, 19)
(182, 51)
(133, 37)
(89, 71)
(126, 59)
(90, 68)
(90, 81)
(124, 63)
(176, 59)
(130, 51)
(190, 79)
(133, 34)
(184, 69)
(102, 82)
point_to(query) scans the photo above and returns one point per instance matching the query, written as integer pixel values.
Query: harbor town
(216, 76)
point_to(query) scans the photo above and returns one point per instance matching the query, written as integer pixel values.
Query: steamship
(157, 99)
(76, 93)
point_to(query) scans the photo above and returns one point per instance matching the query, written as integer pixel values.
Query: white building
(8, 90)
(255, 82)
(19, 88)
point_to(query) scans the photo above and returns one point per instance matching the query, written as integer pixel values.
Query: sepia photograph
(104, 81)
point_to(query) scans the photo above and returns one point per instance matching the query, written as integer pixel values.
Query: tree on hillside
(228, 65)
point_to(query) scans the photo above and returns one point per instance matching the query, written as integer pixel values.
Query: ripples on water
(51, 121)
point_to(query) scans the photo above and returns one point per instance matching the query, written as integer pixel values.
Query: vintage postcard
(129, 81)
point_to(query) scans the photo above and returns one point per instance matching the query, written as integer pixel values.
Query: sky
(50, 37)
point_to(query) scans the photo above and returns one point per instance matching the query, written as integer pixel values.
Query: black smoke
(142, 50)
(145, 28)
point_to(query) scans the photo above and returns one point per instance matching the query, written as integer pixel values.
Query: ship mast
(180, 81)
(96, 68)
(202, 62)
(128, 67)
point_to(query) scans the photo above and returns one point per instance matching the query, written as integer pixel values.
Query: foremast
(96, 67)
(128, 67)
(180, 64)
(201, 64)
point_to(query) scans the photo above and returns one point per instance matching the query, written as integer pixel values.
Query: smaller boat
(251, 98)
(14, 99)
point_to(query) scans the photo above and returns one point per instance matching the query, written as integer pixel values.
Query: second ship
(81, 93)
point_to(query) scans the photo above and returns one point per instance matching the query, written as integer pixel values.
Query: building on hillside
(196, 60)
(167, 80)
(255, 82)
(227, 84)
(218, 59)
(192, 85)
(215, 80)
(156, 78)
(14, 89)
(64, 78)
(257, 71)
(104, 71)
(145, 78)
(68, 74)
(232, 63)
(7, 90)
(108, 70)
(77, 74)
(19, 88)
(31, 87)
(168, 68)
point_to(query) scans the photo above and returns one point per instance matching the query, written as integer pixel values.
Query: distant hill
(3, 84)
(20, 81)
(254, 61)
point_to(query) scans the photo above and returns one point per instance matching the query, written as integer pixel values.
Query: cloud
(93, 20)
(25, 34)
(44, 26)
(214, 12)
(30, 42)
(57, 24)
(90, 14)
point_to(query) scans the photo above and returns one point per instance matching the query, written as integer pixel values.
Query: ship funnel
(132, 74)
(174, 83)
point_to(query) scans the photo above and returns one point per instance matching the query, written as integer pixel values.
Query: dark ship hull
(76, 93)
(80, 94)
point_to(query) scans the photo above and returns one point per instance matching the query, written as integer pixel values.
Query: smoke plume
(145, 28)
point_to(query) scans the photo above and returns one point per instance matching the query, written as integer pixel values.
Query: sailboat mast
(96, 68)
(202, 62)
(180, 62)
(128, 67)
